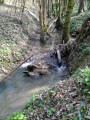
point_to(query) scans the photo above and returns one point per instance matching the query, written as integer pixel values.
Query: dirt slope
(16, 37)
(80, 56)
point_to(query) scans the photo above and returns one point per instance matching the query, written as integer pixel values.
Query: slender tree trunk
(42, 19)
(1, 1)
(64, 4)
(81, 6)
(60, 10)
(23, 5)
(66, 30)
(56, 3)
(44, 15)
(53, 11)
(48, 12)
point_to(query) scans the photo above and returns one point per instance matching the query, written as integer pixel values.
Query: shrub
(17, 116)
(86, 80)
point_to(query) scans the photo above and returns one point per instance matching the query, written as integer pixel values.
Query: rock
(71, 115)
(53, 118)
(32, 67)
(31, 73)
(57, 113)
(42, 71)
(38, 118)
(39, 68)
(73, 94)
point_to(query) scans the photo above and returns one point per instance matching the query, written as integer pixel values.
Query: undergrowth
(83, 77)
(17, 116)
(76, 21)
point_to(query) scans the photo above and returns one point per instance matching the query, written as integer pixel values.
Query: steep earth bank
(80, 56)
(17, 39)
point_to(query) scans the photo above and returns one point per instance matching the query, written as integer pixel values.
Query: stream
(17, 88)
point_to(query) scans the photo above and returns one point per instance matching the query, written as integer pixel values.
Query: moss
(66, 31)
(81, 54)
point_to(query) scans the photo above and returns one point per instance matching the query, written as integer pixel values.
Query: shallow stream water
(17, 88)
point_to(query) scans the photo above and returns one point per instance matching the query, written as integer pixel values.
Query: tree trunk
(42, 18)
(53, 11)
(56, 4)
(66, 29)
(41, 27)
(64, 6)
(81, 6)
(43, 14)
(1, 1)
(60, 10)
(48, 12)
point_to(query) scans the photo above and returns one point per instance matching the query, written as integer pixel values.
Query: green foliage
(50, 111)
(5, 51)
(72, 26)
(75, 118)
(85, 49)
(45, 29)
(83, 78)
(85, 73)
(88, 116)
(76, 21)
(75, 10)
(17, 116)
(30, 104)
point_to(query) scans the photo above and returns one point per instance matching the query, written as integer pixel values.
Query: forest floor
(64, 101)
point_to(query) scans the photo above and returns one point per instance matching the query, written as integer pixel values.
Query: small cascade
(26, 64)
(59, 57)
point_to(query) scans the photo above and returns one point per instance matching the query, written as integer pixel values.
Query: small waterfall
(24, 65)
(61, 69)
